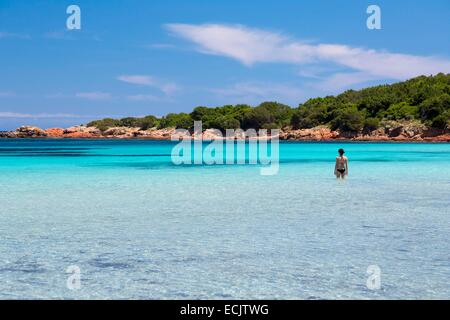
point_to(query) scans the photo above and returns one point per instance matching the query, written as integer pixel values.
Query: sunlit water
(140, 227)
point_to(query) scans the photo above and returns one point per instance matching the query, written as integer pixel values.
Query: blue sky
(134, 58)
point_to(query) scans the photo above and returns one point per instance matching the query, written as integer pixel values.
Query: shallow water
(140, 227)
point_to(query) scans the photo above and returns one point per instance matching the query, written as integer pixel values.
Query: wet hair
(341, 151)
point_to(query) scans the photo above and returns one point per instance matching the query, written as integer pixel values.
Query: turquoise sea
(139, 227)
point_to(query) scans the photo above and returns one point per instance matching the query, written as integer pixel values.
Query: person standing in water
(341, 167)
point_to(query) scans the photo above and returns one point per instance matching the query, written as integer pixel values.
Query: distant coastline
(414, 110)
(406, 131)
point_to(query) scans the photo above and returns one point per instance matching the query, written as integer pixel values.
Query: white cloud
(94, 95)
(4, 34)
(142, 97)
(40, 115)
(256, 92)
(341, 80)
(137, 79)
(58, 35)
(250, 46)
(149, 81)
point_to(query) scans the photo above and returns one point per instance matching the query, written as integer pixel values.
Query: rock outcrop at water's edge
(390, 131)
(81, 132)
(24, 132)
(314, 134)
(54, 132)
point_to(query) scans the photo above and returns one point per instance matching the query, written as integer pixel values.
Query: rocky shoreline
(395, 131)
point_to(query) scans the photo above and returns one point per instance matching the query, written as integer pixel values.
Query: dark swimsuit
(341, 170)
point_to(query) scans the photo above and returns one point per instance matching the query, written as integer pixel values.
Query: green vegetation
(177, 120)
(402, 110)
(226, 117)
(267, 115)
(347, 118)
(371, 124)
(426, 99)
(143, 123)
(104, 124)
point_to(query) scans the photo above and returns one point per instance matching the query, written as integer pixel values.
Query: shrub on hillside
(371, 124)
(176, 120)
(348, 119)
(402, 110)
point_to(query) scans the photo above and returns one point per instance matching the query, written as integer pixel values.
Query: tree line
(425, 99)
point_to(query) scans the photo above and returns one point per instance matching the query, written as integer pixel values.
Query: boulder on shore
(55, 132)
(30, 132)
(82, 132)
(404, 129)
(439, 138)
(320, 133)
(120, 132)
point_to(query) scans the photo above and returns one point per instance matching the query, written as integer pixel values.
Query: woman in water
(341, 167)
